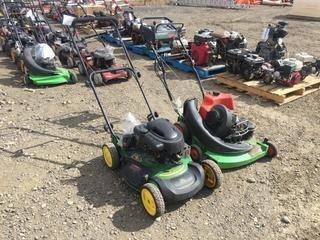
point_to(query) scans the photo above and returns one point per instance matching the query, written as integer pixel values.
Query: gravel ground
(54, 185)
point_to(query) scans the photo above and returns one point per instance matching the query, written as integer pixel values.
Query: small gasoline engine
(204, 48)
(103, 58)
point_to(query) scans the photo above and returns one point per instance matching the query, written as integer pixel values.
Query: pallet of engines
(286, 72)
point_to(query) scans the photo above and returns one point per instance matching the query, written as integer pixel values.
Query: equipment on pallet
(244, 62)
(290, 71)
(152, 157)
(209, 47)
(272, 46)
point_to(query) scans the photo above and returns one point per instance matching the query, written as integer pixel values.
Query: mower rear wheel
(272, 150)
(152, 200)
(129, 75)
(111, 156)
(70, 62)
(213, 174)
(196, 153)
(81, 69)
(26, 80)
(183, 129)
(98, 80)
(73, 78)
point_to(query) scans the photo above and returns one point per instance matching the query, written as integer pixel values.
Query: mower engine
(204, 49)
(285, 72)
(103, 58)
(228, 126)
(251, 66)
(228, 41)
(160, 138)
(272, 47)
(128, 21)
(235, 58)
(309, 64)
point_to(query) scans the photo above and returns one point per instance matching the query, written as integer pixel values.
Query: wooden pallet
(279, 95)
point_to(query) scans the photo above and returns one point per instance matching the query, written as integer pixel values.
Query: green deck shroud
(228, 161)
(62, 76)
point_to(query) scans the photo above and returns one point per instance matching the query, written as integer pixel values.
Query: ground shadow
(100, 186)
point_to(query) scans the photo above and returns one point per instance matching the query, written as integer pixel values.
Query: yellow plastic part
(149, 202)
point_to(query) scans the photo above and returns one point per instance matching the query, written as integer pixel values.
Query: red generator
(204, 48)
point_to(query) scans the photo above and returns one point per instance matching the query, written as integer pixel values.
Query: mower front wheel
(73, 78)
(152, 200)
(272, 150)
(98, 79)
(111, 157)
(213, 174)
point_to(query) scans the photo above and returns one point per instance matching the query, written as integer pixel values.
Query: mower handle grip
(90, 19)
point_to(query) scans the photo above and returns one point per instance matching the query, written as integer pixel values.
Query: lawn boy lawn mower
(214, 132)
(272, 46)
(42, 68)
(153, 158)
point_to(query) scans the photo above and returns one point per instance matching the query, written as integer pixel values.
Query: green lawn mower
(153, 157)
(42, 68)
(214, 131)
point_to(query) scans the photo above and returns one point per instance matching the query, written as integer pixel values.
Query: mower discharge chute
(153, 158)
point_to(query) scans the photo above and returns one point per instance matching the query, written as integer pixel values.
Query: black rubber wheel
(213, 174)
(272, 150)
(129, 75)
(196, 153)
(70, 62)
(111, 156)
(267, 79)
(183, 129)
(26, 80)
(98, 80)
(73, 78)
(81, 69)
(152, 200)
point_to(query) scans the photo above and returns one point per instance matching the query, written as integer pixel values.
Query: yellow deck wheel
(111, 156)
(152, 200)
(213, 174)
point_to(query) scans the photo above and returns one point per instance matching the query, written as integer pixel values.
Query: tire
(196, 153)
(98, 80)
(183, 129)
(267, 79)
(13, 55)
(111, 157)
(129, 75)
(70, 62)
(26, 80)
(272, 150)
(81, 69)
(73, 78)
(213, 174)
(152, 200)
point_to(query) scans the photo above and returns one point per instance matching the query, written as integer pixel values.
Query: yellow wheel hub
(148, 202)
(210, 176)
(107, 156)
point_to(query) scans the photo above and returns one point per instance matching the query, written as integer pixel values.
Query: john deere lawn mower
(42, 68)
(153, 158)
(214, 132)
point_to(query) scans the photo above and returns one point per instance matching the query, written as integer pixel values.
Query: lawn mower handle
(90, 19)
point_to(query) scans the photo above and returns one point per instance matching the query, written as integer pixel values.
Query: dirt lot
(54, 185)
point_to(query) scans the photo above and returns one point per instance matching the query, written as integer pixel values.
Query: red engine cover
(201, 54)
(294, 79)
(209, 101)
